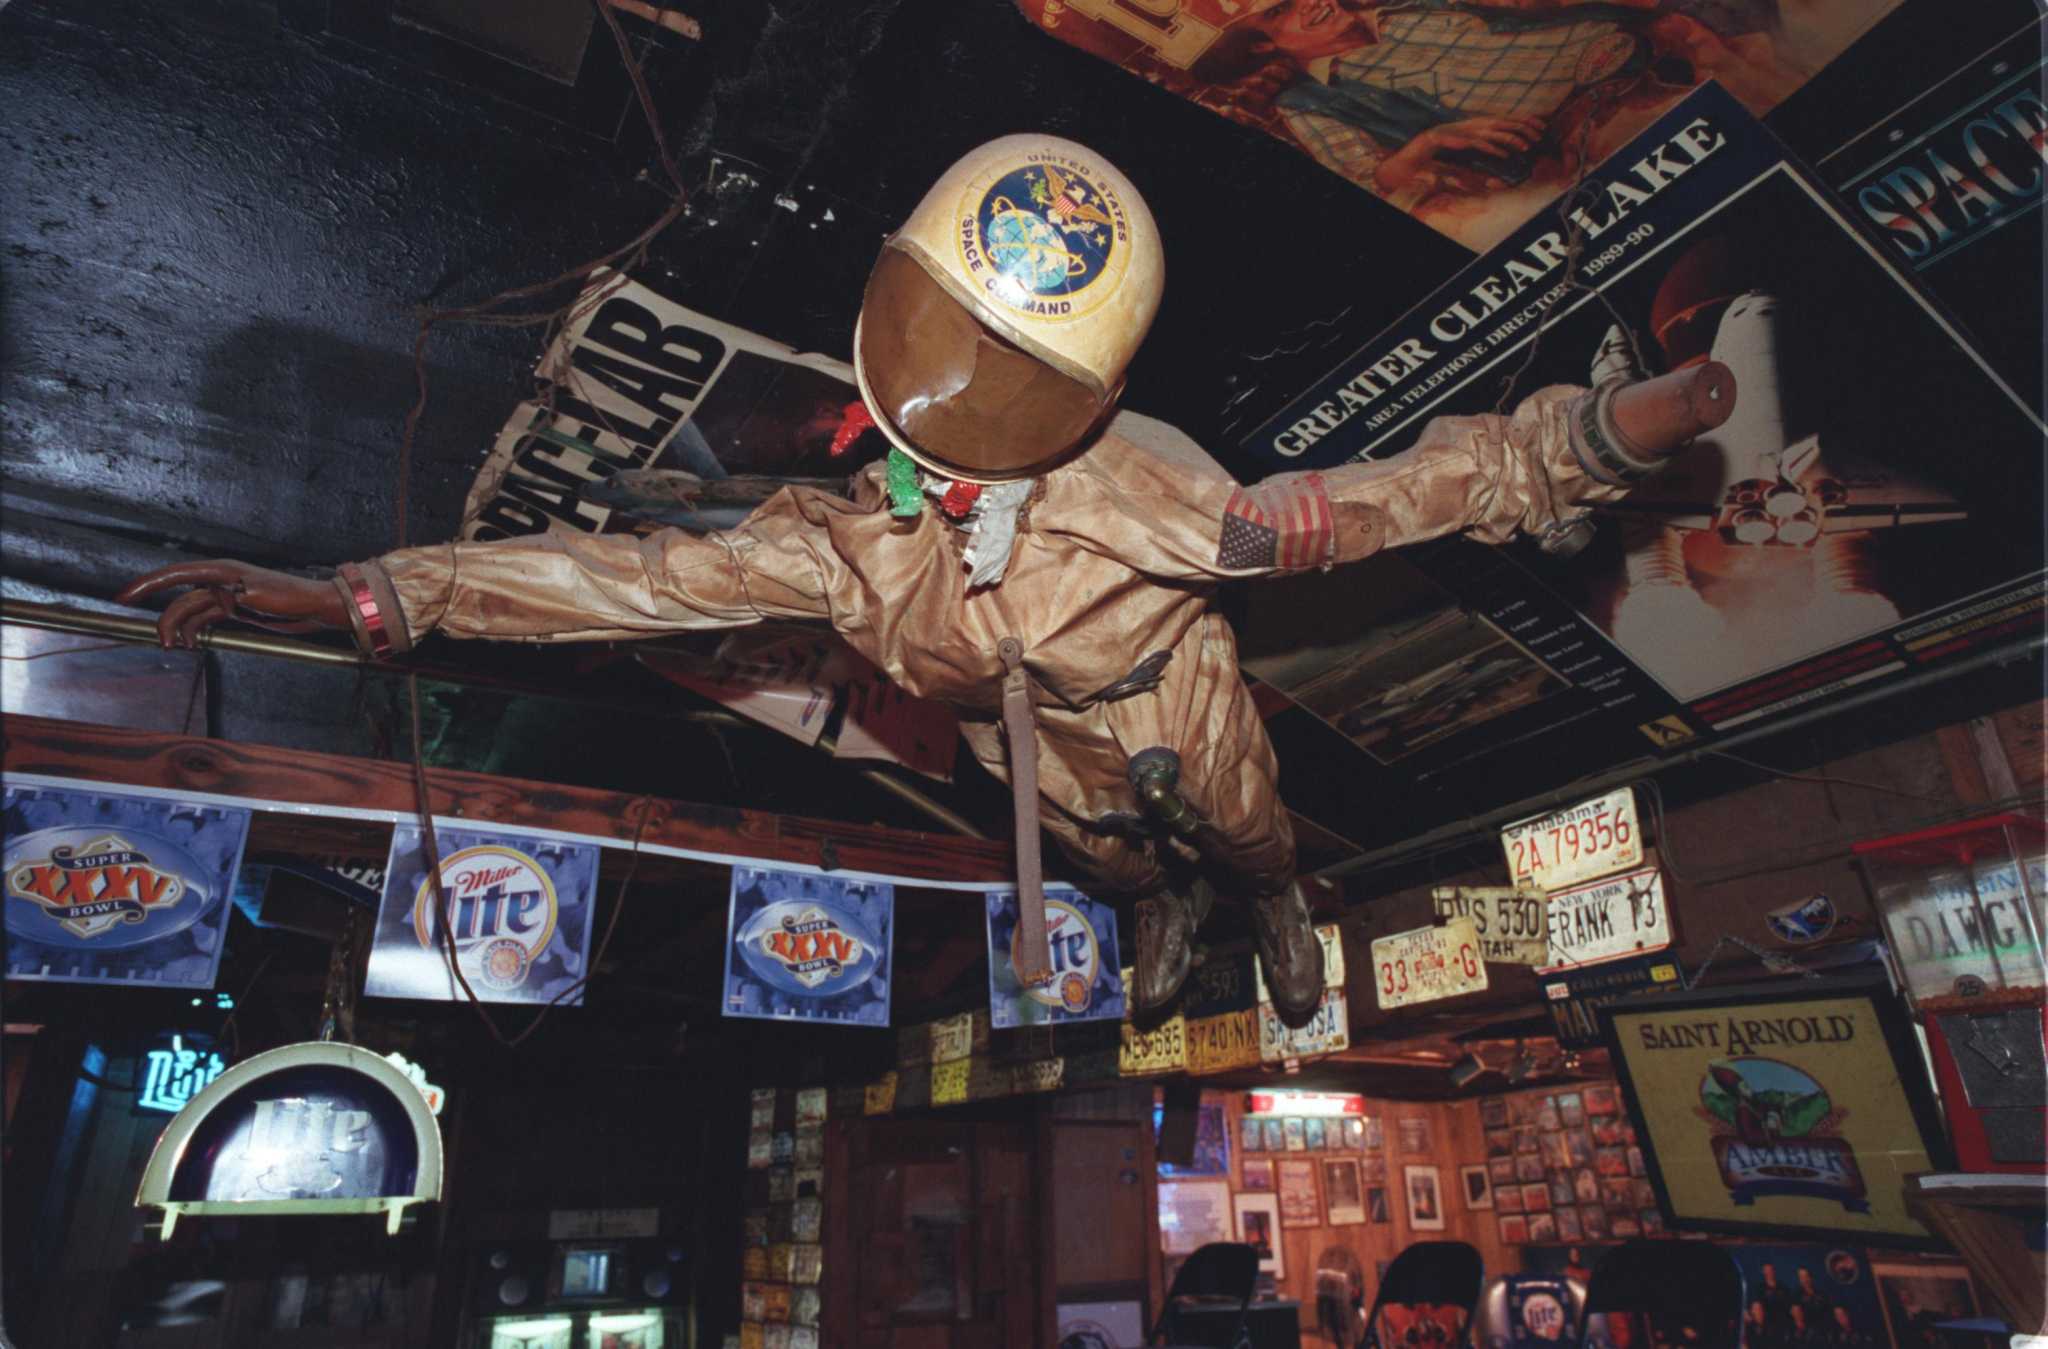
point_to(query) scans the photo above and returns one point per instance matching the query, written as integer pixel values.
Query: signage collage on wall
(1566, 1166)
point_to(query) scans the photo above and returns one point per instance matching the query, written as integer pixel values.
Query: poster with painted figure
(806, 947)
(1469, 117)
(110, 887)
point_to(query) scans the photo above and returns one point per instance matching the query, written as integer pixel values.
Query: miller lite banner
(1087, 982)
(1779, 1111)
(519, 910)
(805, 947)
(117, 888)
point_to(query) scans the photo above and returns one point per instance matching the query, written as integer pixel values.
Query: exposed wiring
(1828, 779)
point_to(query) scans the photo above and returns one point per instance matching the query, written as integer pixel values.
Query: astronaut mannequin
(1026, 538)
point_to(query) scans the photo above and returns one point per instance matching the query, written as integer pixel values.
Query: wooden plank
(299, 778)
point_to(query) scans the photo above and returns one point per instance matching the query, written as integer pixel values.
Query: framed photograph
(1568, 1224)
(1354, 1133)
(1415, 1136)
(1258, 1226)
(1251, 1132)
(1373, 1167)
(1500, 1142)
(1295, 1180)
(1258, 1174)
(1375, 1133)
(1527, 1140)
(1543, 1227)
(1586, 1185)
(1776, 1111)
(1916, 1297)
(1425, 1198)
(1514, 1231)
(1555, 1151)
(1546, 1118)
(1478, 1187)
(1522, 1109)
(1343, 1191)
(1561, 1191)
(1620, 1226)
(1594, 1220)
(1193, 1213)
(1528, 1168)
(1508, 1198)
(1501, 1170)
(1312, 1131)
(1295, 1134)
(1376, 1206)
(1493, 1112)
(1571, 1109)
(1535, 1199)
(1602, 1099)
(1276, 1135)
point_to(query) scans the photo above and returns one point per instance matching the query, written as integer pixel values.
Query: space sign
(1869, 510)
(111, 887)
(808, 947)
(518, 914)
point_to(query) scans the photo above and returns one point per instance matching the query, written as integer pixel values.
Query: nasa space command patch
(516, 908)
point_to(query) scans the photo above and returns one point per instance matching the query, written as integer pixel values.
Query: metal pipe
(1471, 830)
(142, 631)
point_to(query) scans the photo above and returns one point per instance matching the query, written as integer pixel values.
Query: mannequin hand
(223, 589)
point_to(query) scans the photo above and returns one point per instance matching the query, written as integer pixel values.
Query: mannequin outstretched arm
(1491, 477)
(548, 587)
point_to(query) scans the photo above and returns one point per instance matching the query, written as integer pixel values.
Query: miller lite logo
(99, 888)
(802, 947)
(502, 910)
(1076, 958)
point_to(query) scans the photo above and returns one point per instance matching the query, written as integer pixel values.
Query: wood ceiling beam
(282, 783)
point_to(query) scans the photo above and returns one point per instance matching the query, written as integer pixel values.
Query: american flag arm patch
(1282, 525)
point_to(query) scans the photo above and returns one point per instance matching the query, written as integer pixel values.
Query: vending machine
(1963, 913)
(627, 1294)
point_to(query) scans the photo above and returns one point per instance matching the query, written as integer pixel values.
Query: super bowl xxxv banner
(518, 912)
(805, 947)
(117, 888)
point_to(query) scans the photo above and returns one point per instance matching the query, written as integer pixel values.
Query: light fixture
(1467, 1070)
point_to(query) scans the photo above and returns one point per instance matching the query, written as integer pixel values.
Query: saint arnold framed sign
(1779, 1111)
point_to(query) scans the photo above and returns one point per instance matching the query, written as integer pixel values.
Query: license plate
(1624, 916)
(1328, 1032)
(1512, 924)
(1428, 964)
(1592, 839)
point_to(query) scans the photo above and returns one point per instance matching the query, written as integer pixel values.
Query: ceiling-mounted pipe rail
(142, 632)
(1473, 830)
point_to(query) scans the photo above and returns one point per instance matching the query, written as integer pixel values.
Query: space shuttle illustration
(1761, 545)
(1750, 481)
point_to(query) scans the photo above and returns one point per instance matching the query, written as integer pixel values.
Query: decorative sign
(418, 1077)
(315, 1128)
(583, 1224)
(1162, 1049)
(1192, 1214)
(1326, 1033)
(1592, 839)
(518, 908)
(809, 948)
(1304, 1103)
(1779, 1110)
(953, 1038)
(1608, 920)
(113, 888)
(1575, 997)
(1223, 1043)
(949, 1082)
(1295, 1182)
(1513, 924)
(1428, 964)
(1086, 982)
(174, 1072)
(879, 1098)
